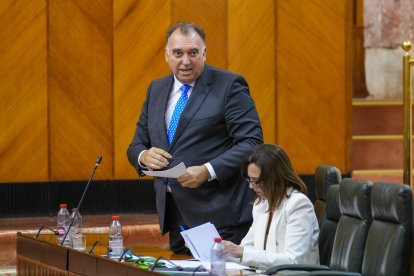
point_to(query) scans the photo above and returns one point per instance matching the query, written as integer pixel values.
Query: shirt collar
(178, 84)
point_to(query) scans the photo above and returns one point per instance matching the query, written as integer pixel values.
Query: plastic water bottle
(116, 241)
(63, 222)
(218, 258)
(76, 231)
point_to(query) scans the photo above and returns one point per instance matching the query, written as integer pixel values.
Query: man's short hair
(185, 28)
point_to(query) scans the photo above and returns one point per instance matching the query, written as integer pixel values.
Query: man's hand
(194, 177)
(155, 158)
(232, 249)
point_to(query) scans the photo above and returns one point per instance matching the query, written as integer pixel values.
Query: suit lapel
(198, 95)
(162, 102)
(277, 215)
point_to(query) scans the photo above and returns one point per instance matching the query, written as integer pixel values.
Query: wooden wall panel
(314, 96)
(80, 88)
(23, 100)
(139, 48)
(251, 50)
(212, 16)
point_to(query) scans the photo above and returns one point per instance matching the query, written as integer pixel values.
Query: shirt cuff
(139, 158)
(210, 171)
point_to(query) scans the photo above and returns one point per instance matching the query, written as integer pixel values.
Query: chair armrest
(302, 267)
(332, 273)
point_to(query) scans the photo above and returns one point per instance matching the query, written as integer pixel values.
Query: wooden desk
(36, 257)
(44, 256)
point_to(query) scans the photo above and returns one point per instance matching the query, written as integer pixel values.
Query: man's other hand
(194, 177)
(155, 158)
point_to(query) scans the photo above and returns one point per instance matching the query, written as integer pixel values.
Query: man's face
(185, 54)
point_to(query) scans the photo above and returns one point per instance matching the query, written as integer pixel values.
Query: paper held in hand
(174, 172)
(200, 239)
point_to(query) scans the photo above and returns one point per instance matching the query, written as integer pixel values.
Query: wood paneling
(78, 94)
(80, 88)
(139, 48)
(313, 92)
(212, 16)
(23, 99)
(388, 154)
(251, 50)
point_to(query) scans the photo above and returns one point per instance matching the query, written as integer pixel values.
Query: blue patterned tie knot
(179, 107)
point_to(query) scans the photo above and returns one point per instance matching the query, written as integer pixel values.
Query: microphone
(165, 269)
(43, 227)
(108, 249)
(126, 252)
(154, 265)
(98, 162)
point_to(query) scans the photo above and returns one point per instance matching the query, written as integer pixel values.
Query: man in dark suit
(206, 118)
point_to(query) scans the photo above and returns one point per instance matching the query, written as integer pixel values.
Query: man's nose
(186, 59)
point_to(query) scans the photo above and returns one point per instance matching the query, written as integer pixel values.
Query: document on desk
(200, 239)
(174, 172)
(200, 267)
(207, 265)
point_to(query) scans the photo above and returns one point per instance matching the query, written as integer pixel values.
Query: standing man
(206, 118)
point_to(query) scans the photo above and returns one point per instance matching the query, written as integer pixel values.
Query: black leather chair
(325, 176)
(388, 247)
(351, 233)
(327, 229)
(353, 226)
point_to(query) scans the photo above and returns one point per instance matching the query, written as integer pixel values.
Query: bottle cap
(218, 239)
(115, 217)
(63, 205)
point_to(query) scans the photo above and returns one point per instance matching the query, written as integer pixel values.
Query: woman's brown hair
(276, 175)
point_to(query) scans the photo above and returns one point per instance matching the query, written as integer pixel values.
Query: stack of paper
(200, 239)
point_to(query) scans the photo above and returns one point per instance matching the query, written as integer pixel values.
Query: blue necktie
(179, 107)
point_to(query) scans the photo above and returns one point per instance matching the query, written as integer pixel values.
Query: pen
(182, 228)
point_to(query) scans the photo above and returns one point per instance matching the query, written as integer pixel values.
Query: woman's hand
(232, 249)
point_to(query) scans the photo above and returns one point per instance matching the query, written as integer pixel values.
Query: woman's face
(253, 175)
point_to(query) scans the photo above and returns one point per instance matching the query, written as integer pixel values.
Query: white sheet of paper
(174, 172)
(229, 266)
(200, 239)
(194, 264)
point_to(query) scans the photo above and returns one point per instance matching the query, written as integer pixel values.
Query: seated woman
(285, 228)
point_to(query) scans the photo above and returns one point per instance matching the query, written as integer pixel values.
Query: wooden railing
(407, 100)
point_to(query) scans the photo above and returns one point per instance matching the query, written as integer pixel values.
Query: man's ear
(166, 55)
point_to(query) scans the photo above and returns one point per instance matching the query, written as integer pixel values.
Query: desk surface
(91, 238)
(152, 251)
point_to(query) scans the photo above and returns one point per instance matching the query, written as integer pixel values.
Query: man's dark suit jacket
(219, 125)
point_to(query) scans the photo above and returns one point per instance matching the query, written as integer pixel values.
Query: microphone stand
(45, 227)
(98, 162)
(108, 250)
